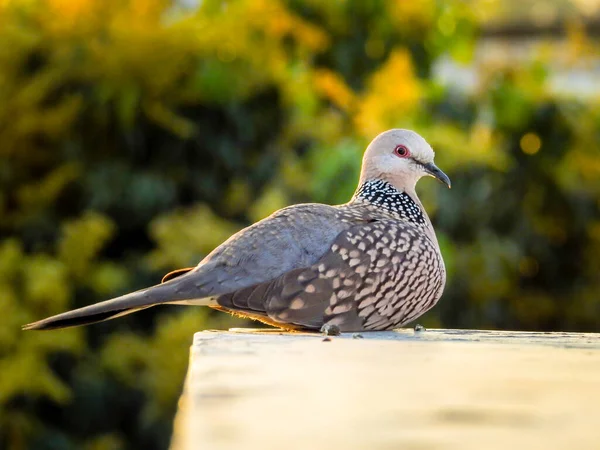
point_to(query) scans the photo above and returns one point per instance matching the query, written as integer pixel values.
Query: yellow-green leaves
(184, 237)
(81, 241)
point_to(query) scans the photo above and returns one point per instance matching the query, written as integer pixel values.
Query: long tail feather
(176, 290)
(68, 319)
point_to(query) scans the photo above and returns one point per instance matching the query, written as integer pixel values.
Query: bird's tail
(178, 290)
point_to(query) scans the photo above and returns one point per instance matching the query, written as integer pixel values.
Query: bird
(371, 264)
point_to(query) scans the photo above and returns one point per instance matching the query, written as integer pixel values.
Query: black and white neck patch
(383, 195)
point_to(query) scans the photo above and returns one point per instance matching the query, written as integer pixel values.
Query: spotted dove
(371, 264)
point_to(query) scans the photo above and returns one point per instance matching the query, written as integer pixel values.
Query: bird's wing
(291, 238)
(375, 276)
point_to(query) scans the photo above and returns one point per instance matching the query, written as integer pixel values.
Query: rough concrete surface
(433, 389)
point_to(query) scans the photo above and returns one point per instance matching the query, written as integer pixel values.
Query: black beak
(435, 172)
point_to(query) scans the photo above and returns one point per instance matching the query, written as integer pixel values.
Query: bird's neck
(385, 196)
(403, 205)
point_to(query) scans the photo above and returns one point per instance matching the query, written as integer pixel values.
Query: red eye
(402, 151)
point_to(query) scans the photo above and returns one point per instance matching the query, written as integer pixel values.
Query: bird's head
(400, 157)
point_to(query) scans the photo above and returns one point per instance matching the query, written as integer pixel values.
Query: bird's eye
(402, 151)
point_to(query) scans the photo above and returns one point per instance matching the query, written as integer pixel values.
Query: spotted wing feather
(376, 276)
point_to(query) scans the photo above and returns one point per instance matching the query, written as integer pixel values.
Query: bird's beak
(435, 172)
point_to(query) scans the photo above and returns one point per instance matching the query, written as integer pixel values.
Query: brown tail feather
(175, 274)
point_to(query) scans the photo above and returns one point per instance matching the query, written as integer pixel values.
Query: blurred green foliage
(135, 136)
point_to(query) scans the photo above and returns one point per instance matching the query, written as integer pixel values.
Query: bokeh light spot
(531, 143)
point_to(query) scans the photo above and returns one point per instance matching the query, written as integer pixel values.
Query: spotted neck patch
(383, 195)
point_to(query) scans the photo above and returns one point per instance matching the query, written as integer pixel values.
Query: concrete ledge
(434, 389)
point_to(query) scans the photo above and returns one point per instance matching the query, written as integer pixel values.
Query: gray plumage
(370, 264)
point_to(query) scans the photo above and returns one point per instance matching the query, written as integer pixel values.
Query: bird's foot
(330, 330)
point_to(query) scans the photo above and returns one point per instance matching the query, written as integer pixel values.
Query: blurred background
(136, 135)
